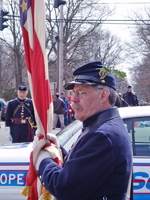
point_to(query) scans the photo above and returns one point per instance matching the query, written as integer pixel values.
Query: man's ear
(104, 95)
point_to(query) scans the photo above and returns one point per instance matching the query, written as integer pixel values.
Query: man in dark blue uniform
(20, 117)
(99, 164)
(130, 97)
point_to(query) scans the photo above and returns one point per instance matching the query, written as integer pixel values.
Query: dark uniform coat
(99, 165)
(19, 116)
(130, 99)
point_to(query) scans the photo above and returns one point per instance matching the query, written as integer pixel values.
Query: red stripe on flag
(28, 51)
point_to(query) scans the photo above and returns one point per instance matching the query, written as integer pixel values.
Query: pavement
(4, 140)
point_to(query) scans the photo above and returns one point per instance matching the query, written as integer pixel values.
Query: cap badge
(103, 73)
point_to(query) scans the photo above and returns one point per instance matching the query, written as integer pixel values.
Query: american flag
(32, 16)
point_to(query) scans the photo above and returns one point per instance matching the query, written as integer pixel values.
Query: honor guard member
(20, 120)
(130, 97)
(98, 166)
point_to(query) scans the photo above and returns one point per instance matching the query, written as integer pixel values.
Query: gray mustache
(74, 105)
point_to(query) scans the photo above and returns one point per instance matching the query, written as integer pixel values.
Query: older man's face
(88, 105)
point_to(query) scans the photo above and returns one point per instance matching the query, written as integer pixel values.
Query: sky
(123, 10)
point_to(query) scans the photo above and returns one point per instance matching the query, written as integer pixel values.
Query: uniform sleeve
(137, 101)
(9, 114)
(33, 115)
(90, 164)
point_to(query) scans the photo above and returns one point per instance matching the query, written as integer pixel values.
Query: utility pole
(61, 50)
(60, 3)
(57, 41)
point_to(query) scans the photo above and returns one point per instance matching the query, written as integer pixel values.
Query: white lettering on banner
(19, 179)
(11, 177)
(3, 178)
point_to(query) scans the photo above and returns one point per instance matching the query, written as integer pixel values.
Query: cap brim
(70, 85)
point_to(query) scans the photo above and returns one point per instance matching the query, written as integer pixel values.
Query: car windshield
(65, 135)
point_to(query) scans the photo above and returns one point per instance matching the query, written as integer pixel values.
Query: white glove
(36, 140)
(51, 136)
(39, 144)
(8, 135)
(42, 155)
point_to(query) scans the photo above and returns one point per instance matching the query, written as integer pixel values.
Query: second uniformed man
(130, 97)
(20, 120)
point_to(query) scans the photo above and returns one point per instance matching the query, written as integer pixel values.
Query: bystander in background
(70, 112)
(58, 111)
(130, 97)
(65, 108)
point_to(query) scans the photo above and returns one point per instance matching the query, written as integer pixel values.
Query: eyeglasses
(79, 93)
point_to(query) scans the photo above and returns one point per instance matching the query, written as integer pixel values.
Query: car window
(128, 125)
(66, 134)
(139, 132)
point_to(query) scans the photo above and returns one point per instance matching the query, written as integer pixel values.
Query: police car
(14, 158)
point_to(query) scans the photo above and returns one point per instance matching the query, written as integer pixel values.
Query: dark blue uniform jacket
(130, 98)
(21, 132)
(99, 164)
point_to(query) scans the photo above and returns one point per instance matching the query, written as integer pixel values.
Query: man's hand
(42, 155)
(38, 144)
(52, 137)
(8, 135)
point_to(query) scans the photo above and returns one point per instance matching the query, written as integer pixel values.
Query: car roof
(135, 111)
(20, 152)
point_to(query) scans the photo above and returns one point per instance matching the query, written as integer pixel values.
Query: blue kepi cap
(93, 73)
(22, 87)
